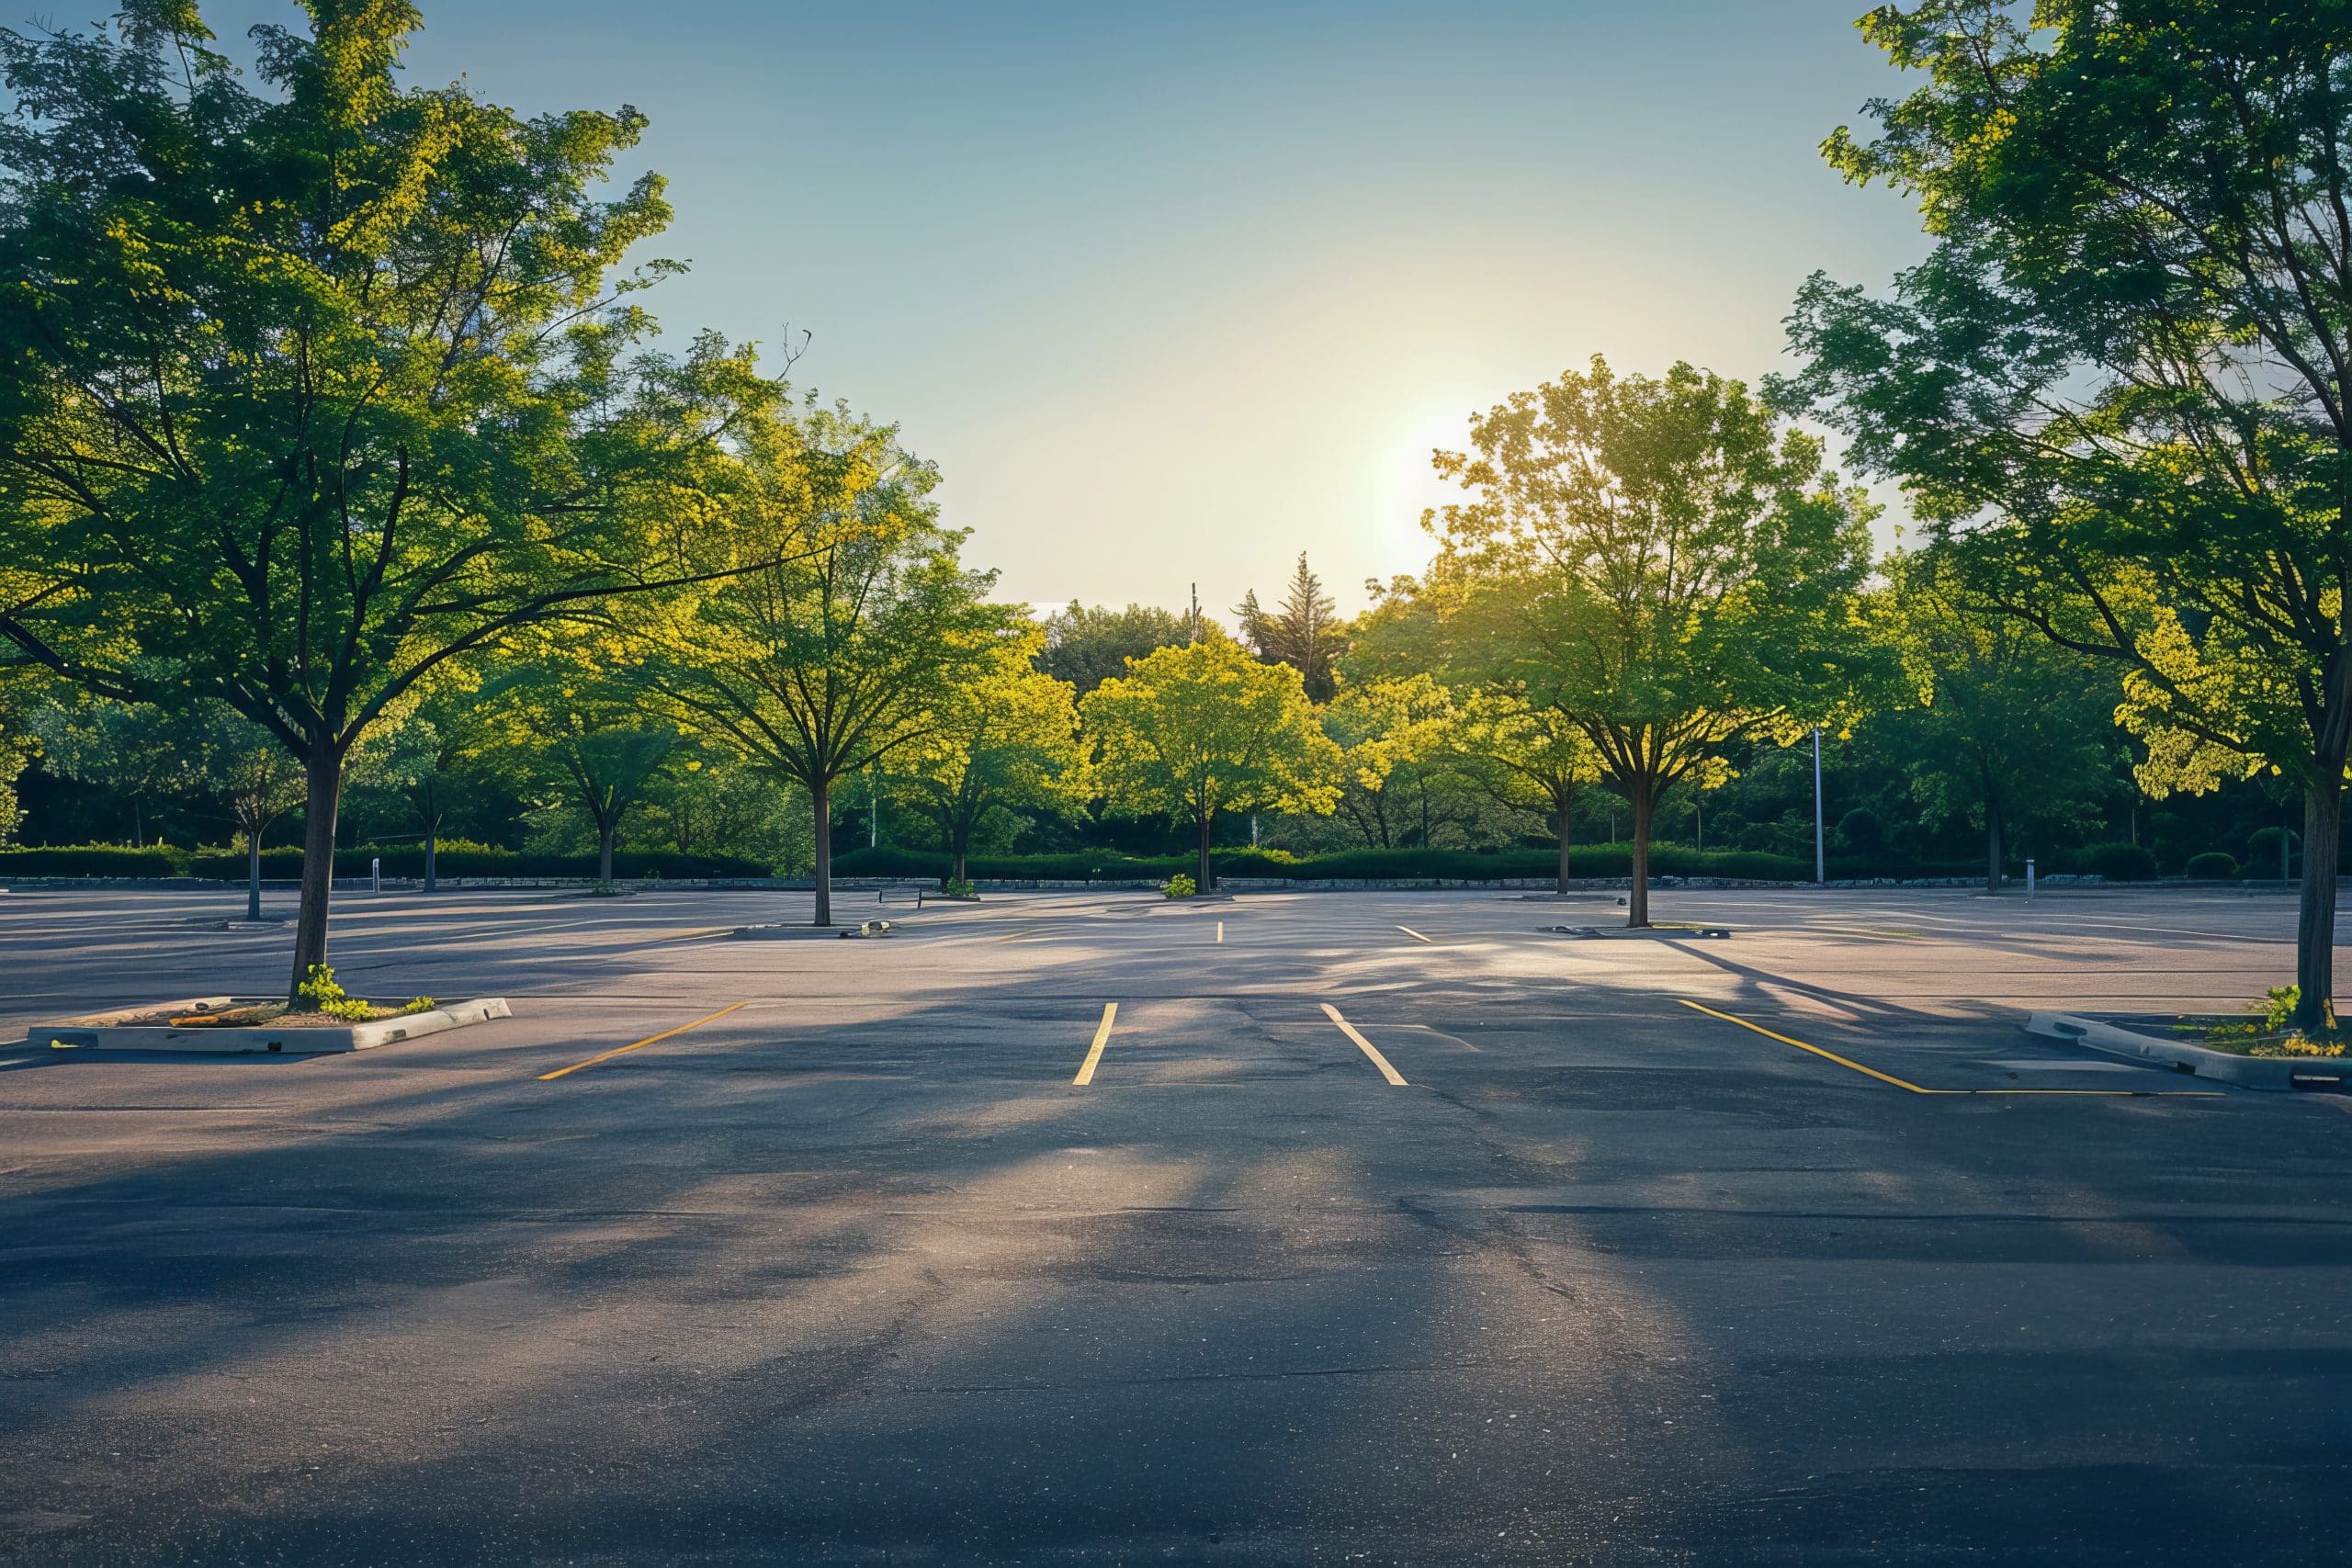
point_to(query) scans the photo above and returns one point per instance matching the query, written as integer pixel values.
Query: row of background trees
(2017, 753)
(333, 431)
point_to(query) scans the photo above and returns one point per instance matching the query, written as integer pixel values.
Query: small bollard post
(2029, 879)
(375, 875)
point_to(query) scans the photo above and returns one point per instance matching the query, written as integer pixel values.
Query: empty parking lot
(1302, 1228)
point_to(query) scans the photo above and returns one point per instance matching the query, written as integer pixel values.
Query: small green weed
(1179, 887)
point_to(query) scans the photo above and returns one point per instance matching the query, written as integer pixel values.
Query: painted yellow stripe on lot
(1414, 934)
(1914, 1088)
(1365, 1045)
(1094, 1052)
(1220, 930)
(642, 1045)
(1832, 1056)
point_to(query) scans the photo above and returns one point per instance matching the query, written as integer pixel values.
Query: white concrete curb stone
(100, 1033)
(2279, 1074)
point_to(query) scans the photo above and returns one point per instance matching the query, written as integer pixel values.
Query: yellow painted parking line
(1366, 1046)
(1914, 1088)
(1832, 1056)
(1094, 1052)
(642, 1045)
(1414, 934)
(1220, 930)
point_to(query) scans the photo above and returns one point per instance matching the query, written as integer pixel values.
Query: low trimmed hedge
(2212, 866)
(94, 860)
(1345, 865)
(408, 859)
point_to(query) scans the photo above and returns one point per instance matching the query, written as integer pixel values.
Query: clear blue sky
(1172, 292)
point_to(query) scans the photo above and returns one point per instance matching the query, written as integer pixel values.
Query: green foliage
(313, 382)
(98, 860)
(838, 656)
(408, 861)
(956, 887)
(1192, 731)
(1179, 887)
(1663, 565)
(2212, 866)
(2119, 863)
(1003, 735)
(1304, 631)
(420, 1004)
(323, 995)
(1087, 647)
(2116, 388)
(2272, 1031)
(1596, 861)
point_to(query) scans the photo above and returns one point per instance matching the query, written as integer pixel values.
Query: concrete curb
(95, 1033)
(2277, 1075)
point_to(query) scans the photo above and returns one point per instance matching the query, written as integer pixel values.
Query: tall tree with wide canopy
(2120, 386)
(1202, 729)
(839, 656)
(309, 391)
(1004, 735)
(1659, 562)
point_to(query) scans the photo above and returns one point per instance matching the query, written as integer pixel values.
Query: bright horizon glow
(1171, 295)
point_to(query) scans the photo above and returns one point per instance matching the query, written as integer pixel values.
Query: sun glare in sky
(1172, 293)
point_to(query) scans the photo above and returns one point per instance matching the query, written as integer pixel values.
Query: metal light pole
(1820, 859)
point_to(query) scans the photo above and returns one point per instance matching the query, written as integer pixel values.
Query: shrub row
(408, 859)
(405, 860)
(1367, 865)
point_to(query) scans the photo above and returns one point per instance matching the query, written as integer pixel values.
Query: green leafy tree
(1537, 759)
(1087, 647)
(2122, 377)
(1660, 563)
(1395, 738)
(1006, 735)
(147, 756)
(312, 387)
(1305, 631)
(254, 775)
(833, 662)
(576, 720)
(712, 802)
(2011, 728)
(437, 761)
(1194, 730)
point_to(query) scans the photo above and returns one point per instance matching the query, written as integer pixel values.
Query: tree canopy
(1193, 730)
(307, 390)
(1662, 565)
(2119, 387)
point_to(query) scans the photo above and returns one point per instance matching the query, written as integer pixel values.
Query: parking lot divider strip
(1414, 934)
(1094, 1052)
(1366, 1046)
(1831, 1056)
(639, 1045)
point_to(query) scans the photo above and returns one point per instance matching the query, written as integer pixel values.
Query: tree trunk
(605, 833)
(253, 875)
(963, 848)
(1561, 816)
(820, 797)
(1206, 880)
(1992, 848)
(1637, 901)
(322, 773)
(431, 848)
(2315, 922)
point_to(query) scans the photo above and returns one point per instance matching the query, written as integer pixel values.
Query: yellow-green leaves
(1194, 730)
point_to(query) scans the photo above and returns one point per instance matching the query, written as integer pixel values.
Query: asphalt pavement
(1383, 1227)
